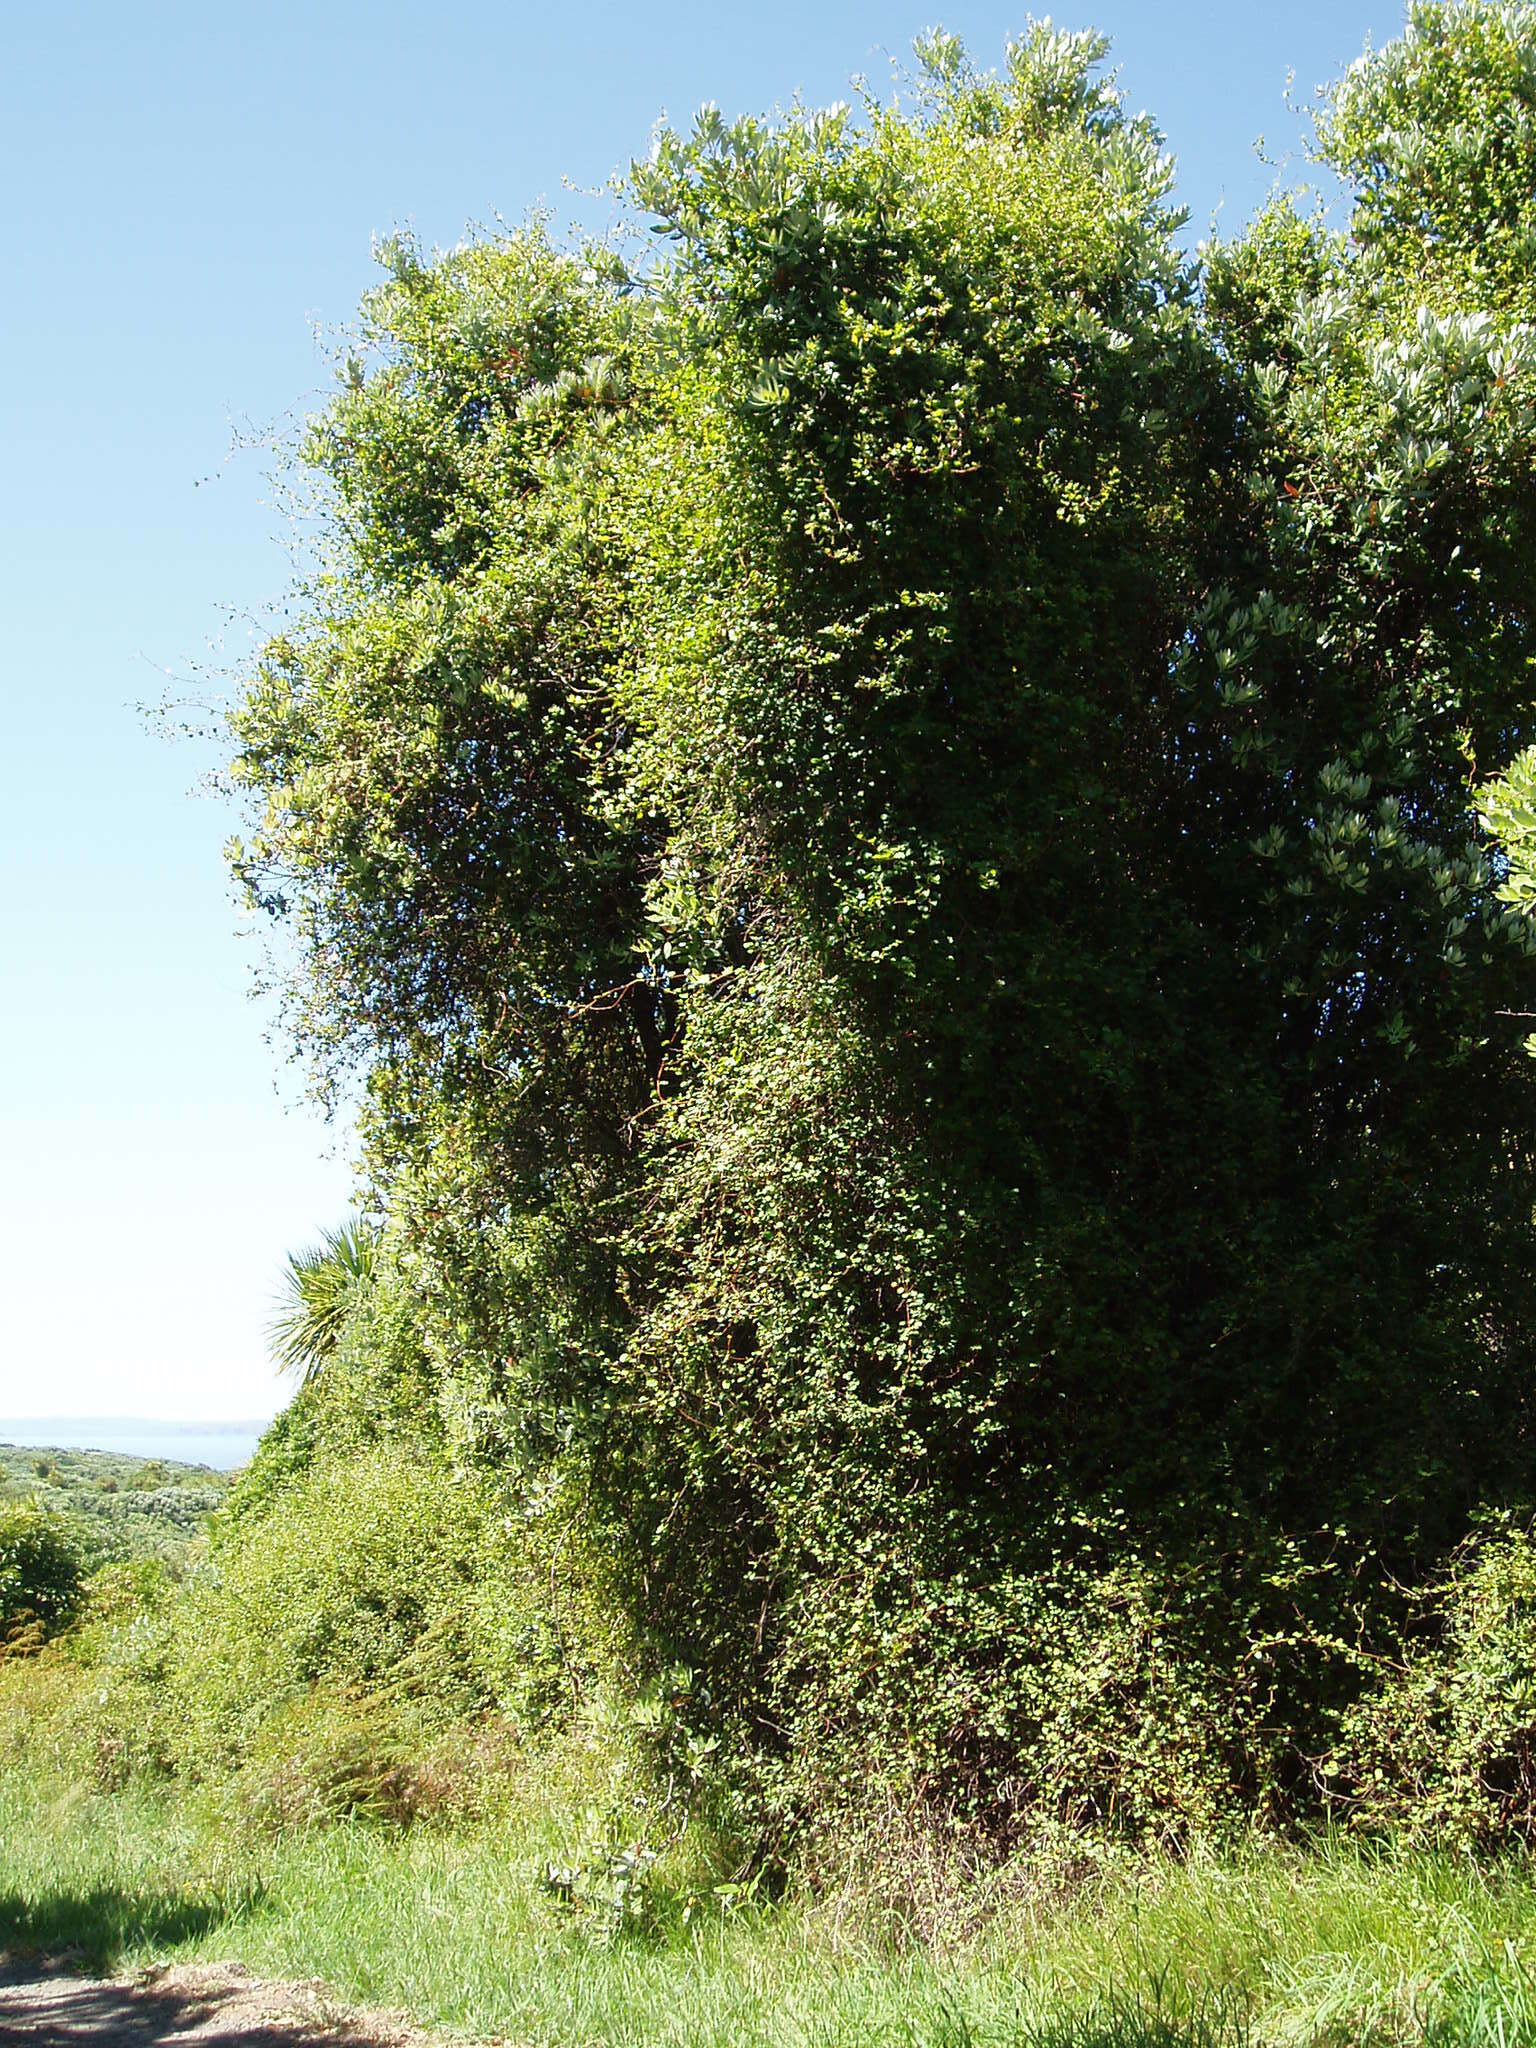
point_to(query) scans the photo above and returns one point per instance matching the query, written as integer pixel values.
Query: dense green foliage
(898, 807)
(370, 1632)
(1445, 1747)
(40, 1570)
(113, 1508)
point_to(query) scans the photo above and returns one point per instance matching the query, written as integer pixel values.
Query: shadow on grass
(1127, 2028)
(1118, 2021)
(96, 1928)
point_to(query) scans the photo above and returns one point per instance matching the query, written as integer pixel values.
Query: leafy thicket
(113, 1509)
(367, 1629)
(41, 1566)
(895, 807)
(1445, 1746)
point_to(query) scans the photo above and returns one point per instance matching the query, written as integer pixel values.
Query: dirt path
(167, 2008)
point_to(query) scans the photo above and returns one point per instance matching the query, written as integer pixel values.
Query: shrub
(41, 1566)
(377, 1388)
(114, 1596)
(1444, 1745)
(895, 826)
(383, 1580)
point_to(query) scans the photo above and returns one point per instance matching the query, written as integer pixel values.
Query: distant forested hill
(122, 1506)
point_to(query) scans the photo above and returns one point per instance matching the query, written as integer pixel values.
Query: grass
(1336, 1947)
(456, 1920)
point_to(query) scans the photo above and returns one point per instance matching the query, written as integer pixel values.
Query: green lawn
(458, 1928)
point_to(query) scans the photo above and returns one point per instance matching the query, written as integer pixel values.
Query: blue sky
(192, 194)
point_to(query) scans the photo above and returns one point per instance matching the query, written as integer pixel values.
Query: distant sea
(223, 1445)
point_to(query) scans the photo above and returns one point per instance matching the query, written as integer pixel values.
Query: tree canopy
(918, 811)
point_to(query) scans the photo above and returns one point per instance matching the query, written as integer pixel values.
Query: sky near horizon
(194, 194)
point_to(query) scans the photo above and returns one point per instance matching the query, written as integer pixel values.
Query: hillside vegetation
(68, 1516)
(121, 1506)
(915, 815)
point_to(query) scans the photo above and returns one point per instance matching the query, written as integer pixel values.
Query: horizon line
(217, 1422)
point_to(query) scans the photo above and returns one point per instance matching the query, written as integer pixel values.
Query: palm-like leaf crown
(319, 1289)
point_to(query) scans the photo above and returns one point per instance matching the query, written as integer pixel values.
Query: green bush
(402, 1591)
(368, 1624)
(356, 1568)
(893, 814)
(377, 1387)
(41, 1567)
(1443, 1746)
